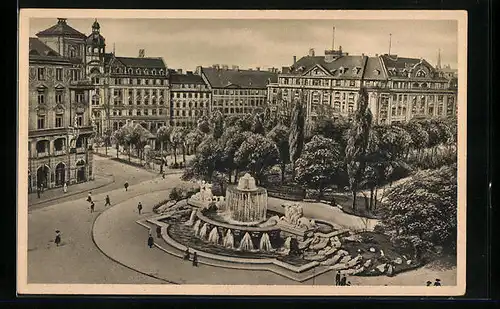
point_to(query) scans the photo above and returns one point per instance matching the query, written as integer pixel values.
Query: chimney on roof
(258, 68)
(311, 52)
(61, 21)
(225, 67)
(294, 59)
(141, 53)
(235, 68)
(179, 71)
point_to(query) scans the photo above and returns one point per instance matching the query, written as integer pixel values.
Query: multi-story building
(399, 88)
(126, 88)
(235, 91)
(189, 99)
(132, 88)
(60, 125)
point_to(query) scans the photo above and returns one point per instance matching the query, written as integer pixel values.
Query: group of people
(187, 256)
(341, 280)
(437, 282)
(92, 204)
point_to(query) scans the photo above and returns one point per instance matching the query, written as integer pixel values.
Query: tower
(438, 66)
(95, 50)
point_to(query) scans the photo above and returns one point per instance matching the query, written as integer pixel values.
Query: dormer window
(130, 71)
(161, 72)
(146, 71)
(138, 71)
(153, 72)
(341, 70)
(420, 73)
(376, 72)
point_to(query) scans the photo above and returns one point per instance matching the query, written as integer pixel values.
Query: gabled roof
(176, 78)
(253, 79)
(96, 41)
(400, 66)
(353, 66)
(61, 29)
(137, 62)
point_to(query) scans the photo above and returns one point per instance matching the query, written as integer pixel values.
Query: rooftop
(139, 62)
(38, 50)
(61, 29)
(189, 78)
(222, 78)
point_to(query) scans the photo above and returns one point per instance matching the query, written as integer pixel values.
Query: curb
(118, 262)
(73, 193)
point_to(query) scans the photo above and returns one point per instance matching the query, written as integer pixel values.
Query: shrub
(379, 228)
(174, 165)
(176, 194)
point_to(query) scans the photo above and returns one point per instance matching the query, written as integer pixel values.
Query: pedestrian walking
(158, 231)
(337, 278)
(429, 283)
(92, 206)
(163, 174)
(195, 259)
(65, 188)
(58, 238)
(151, 241)
(108, 202)
(41, 187)
(38, 189)
(343, 281)
(139, 207)
(89, 197)
(126, 185)
(187, 254)
(437, 282)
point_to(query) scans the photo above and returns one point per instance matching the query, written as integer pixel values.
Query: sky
(188, 43)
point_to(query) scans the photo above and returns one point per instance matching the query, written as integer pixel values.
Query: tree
(394, 141)
(203, 125)
(357, 143)
(279, 135)
(229, 143)
(206, 160)
(194, 138)
(257, 124)
(296, 137)
(270, 119)
(245, 122)
(138, 136)
(107, 134)
(422, 212)
(419, 137)
(122, 137)
(218, 122)
(176, 140)
(257, 154)
(318, 164)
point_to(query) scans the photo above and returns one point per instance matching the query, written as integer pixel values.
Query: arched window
(420, 73)
(153, 72)
(146, 72)
(138, 71)
(130, 71)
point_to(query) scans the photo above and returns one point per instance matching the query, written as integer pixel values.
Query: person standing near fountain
(195, 259)
(139, 207)
(151, 241)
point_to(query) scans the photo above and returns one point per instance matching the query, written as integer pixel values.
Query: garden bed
(379, 242)
(346, 203)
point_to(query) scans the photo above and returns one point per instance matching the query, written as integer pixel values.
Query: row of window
(75, 74)
(189, 86)
(42, 97)
(239, 92)
(190, 95)
(138, 112)
(192, 104)
(252, 102)
(319, 82)
(237, 110)
(136, 81)
(58, 121)
(191, 113)
(138, 71)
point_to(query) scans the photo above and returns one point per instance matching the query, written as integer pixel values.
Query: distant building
(399, 88)
(60, 124)
(236, 91)
(189, 99)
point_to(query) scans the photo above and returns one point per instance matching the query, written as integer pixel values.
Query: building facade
(190, 99)
(399, 88)
(235, 91)
(60, 127)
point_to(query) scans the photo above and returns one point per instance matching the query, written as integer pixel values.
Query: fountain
(196, 227)
(203, 231)
(213, 237)
(191, 218)
(229, 240)
(246, 243)
(265, 243)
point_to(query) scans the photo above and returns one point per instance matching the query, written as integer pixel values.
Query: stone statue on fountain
(294, 216)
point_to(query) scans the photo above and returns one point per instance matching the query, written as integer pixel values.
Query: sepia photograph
(176, 152)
